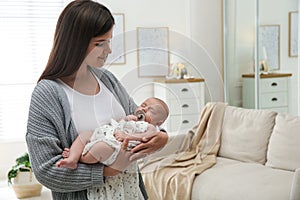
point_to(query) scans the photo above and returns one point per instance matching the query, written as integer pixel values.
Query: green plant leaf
(22, 165)
(23, 159)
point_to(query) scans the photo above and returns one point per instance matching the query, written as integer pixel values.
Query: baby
(103, 145)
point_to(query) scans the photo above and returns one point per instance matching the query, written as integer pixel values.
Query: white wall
(298, 61)
(206, 29)
(195, 38)
(145, 13)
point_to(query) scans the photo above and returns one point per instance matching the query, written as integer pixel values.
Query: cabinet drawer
(179, 90)
(273, 84)
(269, 100)
(181, 122)
(185, 106)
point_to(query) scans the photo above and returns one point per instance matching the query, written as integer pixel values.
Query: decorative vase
(25, 185)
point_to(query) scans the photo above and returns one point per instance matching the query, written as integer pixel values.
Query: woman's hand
(121, 162)
(149, 145)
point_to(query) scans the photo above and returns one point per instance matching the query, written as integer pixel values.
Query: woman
(74, 94)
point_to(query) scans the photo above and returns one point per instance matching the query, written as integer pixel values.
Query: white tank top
(91, 111)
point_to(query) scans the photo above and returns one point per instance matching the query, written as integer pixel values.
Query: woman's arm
(49, 131)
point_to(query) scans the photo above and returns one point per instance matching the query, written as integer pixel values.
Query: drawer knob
(274, 84)
(185, 106)
(184, 90)
(185, 121)
(274, 99)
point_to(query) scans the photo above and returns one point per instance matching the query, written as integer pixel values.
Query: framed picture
(269, 39)
(153, 51)
(118, 55)
(293, 34)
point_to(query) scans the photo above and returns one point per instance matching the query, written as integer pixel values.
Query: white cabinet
(185, 98)
(273, 91)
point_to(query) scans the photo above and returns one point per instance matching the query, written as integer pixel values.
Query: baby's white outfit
(124, 186)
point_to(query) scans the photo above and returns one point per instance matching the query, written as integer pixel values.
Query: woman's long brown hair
(78, 23)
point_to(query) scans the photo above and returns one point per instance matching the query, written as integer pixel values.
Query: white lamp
(263, 59)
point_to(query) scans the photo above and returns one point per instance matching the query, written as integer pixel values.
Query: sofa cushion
(246, 133)
(283, 151)
(238, 180)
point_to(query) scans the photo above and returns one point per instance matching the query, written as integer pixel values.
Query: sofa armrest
(295, 190)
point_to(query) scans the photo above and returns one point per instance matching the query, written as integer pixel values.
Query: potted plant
(22, 178)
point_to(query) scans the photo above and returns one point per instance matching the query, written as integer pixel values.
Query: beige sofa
(257, 160)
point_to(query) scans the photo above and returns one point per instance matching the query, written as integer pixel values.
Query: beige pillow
(246, 133)
(284, 146)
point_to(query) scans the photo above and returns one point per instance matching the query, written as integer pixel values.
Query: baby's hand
(66, 153)
(120, 135)
(131, 117)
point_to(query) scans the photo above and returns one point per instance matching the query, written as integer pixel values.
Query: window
(27, 28)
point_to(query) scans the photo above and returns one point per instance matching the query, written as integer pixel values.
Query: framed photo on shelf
(153, 51)
(118, 55)
(269, 39)
(293, 34)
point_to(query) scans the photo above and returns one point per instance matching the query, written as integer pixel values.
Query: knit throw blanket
(171, 177)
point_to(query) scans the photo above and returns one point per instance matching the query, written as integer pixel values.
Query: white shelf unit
(273, 91)
(185, 98)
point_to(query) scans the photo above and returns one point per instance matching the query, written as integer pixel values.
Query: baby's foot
(67, 163)
(66, 153)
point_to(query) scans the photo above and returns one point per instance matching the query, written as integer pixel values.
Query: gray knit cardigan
(50, 129)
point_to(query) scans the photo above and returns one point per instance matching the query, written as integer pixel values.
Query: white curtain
(26, 35)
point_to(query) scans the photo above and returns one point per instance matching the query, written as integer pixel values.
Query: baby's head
(155, 111)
